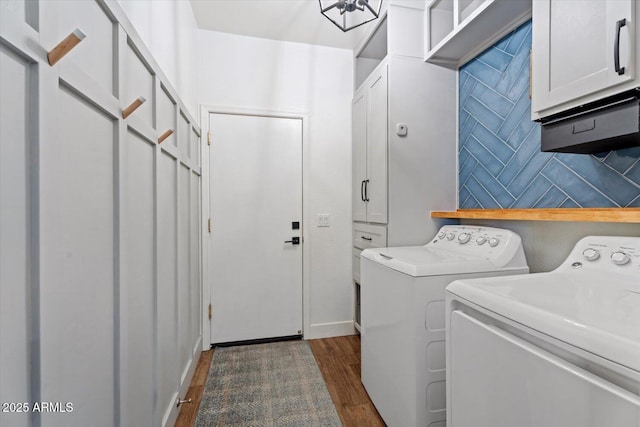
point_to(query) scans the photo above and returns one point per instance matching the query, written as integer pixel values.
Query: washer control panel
(463, 235)
(479, 241)
(606, 252)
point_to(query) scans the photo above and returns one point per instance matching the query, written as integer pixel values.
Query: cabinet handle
(366, 238)
(366, 190)
(585, 126)
(616, 47)
(362, 191)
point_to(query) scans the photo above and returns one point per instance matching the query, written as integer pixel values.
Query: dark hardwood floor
(189, 412)
(339, 362)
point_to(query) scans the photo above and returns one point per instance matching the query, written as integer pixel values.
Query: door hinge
(210, 311)
(209, 225)
(209, 138)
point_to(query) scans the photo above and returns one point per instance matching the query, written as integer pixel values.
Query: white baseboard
(328, 330)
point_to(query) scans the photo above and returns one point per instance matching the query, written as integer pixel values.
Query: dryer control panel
(605, 253)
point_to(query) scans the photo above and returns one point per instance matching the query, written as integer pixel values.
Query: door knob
(293, 241)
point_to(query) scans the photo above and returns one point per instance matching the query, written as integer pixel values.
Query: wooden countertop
(631, 215)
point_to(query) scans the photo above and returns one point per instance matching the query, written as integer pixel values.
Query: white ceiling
(289, 20)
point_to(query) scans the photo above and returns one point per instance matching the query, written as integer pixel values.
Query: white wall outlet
(324, 220)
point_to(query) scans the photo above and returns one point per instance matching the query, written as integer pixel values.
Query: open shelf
(458, 30)
(631, 215)
(372, 54)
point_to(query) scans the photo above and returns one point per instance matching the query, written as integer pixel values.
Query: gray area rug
(274, 384)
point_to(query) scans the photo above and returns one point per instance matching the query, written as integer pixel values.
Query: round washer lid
(419, 261)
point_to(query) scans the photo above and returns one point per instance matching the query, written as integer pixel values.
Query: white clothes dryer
(403, 316)
(556, 349)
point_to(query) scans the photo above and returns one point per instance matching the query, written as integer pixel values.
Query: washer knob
(450, 236)
(441, 235)
(620, 258)
(464, 238)
(591, 254)
(481, 240)
(494, 241)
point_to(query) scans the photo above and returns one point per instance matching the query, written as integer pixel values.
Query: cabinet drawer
(369, 236)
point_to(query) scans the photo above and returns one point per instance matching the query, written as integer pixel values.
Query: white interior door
(255, 197)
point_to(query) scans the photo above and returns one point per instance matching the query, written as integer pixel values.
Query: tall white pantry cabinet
(370, 149)
(404, 138)
(100, 310)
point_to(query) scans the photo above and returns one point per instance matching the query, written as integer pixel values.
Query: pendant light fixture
(349, 14)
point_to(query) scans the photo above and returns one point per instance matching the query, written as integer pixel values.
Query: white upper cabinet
(458, 30)
(377, 118)
(359, 155)
(582, 51)
(370, 149)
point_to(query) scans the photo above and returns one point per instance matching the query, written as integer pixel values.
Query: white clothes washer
(403, 316)
(556, 349)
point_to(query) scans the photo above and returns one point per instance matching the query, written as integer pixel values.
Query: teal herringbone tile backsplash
(500, 162)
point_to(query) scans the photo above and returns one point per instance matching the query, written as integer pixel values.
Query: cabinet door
(377, 118)
(574, 49)
(359, 155)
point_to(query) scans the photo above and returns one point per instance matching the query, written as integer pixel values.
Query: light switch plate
(324, 220)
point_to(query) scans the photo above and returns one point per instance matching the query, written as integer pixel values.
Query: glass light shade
(349, 14)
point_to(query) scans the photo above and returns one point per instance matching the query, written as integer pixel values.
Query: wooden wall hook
(132, 107)
(165, 136)
(65, 46)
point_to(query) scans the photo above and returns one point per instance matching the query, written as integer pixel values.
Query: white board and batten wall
(101, 228)
(169, 30)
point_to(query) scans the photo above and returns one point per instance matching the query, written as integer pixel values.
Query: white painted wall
(168, 29)
(247, 72)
